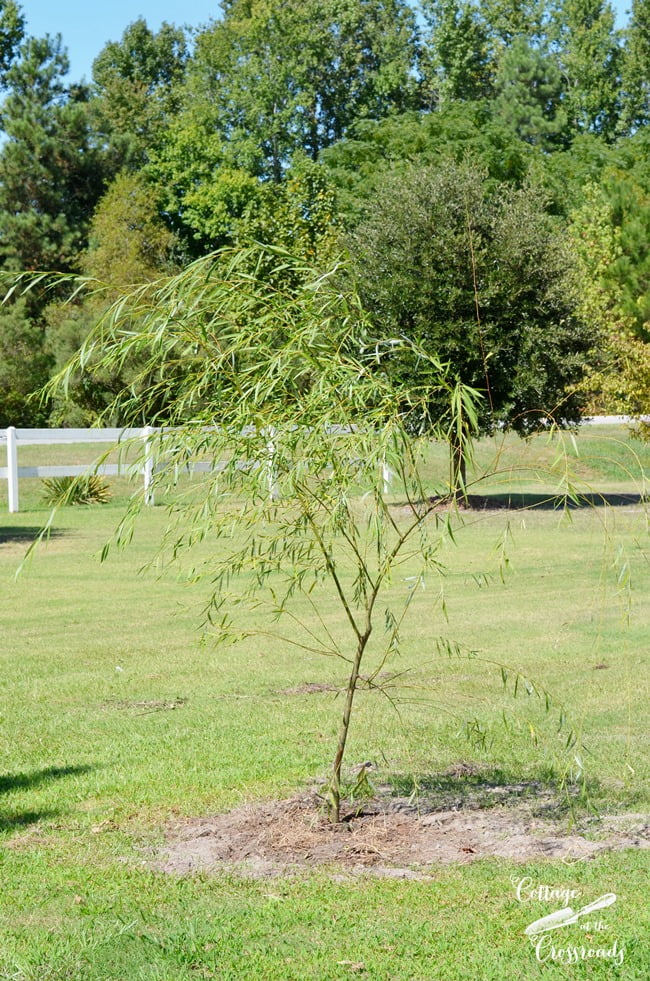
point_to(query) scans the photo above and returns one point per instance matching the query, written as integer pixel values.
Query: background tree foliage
(347, 60)
(137, 83)
(484, 277)
(278, 122)
(51, 177)
(128, 244)
(635, 75)
(12, 32)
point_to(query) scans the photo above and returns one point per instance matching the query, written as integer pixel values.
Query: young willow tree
(280, 391)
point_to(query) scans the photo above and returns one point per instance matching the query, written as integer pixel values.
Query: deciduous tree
(481, 278)
(12, 32)
(590, 55)
(456, 62)
(282, 385)
(635, 83)
(137, 90)
(281, 77)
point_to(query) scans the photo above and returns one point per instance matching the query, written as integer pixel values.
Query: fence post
(386, 475)
(147, 470)
(12, 469)
(274, 492)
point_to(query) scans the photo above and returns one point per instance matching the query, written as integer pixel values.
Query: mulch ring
(391, 837)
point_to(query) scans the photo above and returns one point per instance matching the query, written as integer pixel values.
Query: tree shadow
(10, 821)
(24, 535)
(551, 502)
(27, 780)
(467, 786)
(13, 822)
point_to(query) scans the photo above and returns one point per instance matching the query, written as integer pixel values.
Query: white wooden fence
(15, 438)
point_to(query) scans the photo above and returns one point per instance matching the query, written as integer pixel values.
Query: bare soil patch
(391, 836)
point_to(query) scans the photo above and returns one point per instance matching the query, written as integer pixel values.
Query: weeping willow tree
(266, 383)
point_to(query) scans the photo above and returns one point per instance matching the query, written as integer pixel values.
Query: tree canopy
(279, 123)
(482, 277)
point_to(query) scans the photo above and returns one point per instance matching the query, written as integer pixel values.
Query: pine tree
(529, 99)
(51, 173)
(50, 180)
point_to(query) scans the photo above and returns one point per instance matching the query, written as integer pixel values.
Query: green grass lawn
(117, 718)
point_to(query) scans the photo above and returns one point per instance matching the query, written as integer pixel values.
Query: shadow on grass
(25, 781)
(469, 787)
(23, 819)
(23, 535)
(551, 502)
(13, 820)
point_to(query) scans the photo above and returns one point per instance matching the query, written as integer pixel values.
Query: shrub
(89, 489)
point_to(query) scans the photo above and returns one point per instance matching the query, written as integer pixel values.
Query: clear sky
(87, 25)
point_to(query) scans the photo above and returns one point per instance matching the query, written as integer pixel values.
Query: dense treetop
(285, 123)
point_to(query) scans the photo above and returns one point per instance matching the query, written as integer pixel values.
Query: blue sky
(86, 26)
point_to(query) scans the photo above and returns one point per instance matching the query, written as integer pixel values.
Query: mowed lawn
(117, 717)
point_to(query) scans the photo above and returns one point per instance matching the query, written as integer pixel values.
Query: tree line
(485, 165)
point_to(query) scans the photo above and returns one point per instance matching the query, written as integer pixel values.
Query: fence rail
(15, 438)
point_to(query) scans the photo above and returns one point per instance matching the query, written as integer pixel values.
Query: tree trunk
(334, 796)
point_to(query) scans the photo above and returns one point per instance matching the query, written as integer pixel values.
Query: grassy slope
(94, 760)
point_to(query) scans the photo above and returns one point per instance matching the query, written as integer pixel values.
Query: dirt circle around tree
(391, 836)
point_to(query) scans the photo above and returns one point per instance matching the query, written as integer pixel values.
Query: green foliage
(283, 382)
(458, 131)
(480, 277)
(529, 94)
(25, 366)
(618, 380)
(346, 61)
(278, 124)
(62, 491)
(12, 31)
(635, 82)
(137, 83)
(510, 20)
(50, 180)
(597, 245)
(214, 205)
(50, 173)
(456, 62)
(128, 241)
(590, 55)
(627, 186)
(129, 244)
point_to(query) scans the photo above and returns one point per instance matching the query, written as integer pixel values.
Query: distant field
(117, 718)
